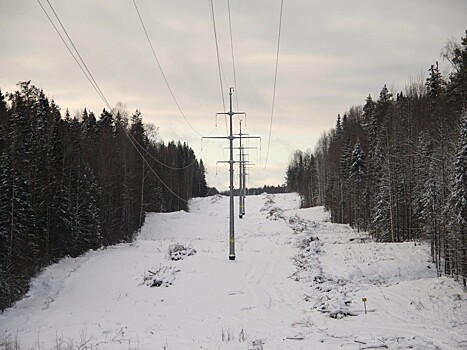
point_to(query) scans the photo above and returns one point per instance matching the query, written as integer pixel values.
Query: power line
(275, 82)
(77, 52)
(74, 57)
(162, 71)
(213, 17)
(232, 50)
(150, 167)
(157, 160)
(100, 93)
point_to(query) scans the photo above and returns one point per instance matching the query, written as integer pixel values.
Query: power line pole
(231, 162)
(230, 113)
(242, 176)
(245, 162)
(241, 168)
(244, 183)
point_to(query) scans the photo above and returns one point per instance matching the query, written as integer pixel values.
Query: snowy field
(297, 283)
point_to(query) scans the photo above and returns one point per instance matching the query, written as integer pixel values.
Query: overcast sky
(332, 55)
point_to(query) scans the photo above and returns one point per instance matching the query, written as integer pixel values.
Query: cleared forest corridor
(297, 283)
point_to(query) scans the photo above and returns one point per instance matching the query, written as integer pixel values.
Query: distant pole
(240, 185)
(243, 182)
(231, 164)
(243, 172)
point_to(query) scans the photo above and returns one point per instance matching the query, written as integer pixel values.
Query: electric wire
(162, 71)
(151, 168)
(157, 160)
(96, 87)
(73, 55)
(275, 83)
(213, 17)
(99, 92)
(77, 52)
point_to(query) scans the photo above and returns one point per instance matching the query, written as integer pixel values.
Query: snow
(297, 283)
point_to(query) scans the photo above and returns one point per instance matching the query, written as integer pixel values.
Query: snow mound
(179, 252)
(163, 277)
(216, 198)
(270, 209)
(257, 344)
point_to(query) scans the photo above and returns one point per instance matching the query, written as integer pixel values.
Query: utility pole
(231, 162)
(231, 184)
(241, 167)
(240, 180)
(242, 176)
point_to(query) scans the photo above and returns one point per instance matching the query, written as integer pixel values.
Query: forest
(71, 184)
(397, 166)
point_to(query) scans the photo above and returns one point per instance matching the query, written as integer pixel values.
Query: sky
(332, 55)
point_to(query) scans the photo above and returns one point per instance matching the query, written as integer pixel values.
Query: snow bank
(408, 306)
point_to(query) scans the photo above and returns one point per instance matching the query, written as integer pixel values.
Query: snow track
(294, 272)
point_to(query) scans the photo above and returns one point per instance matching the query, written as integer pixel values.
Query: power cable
(77, 52)
(74, 57)
(157, 160)
(162, 71)
(99, 92)
(213, 17)
(275, 82)
(150, 167)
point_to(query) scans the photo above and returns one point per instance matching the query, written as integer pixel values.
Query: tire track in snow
(268, 282)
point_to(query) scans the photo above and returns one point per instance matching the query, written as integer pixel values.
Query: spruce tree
(357, 175)
(459, 201)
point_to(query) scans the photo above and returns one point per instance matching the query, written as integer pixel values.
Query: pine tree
(18, 233)
(459, 200)
(457, 87)
(435, 84)
(312, 175)
(338, 127)
(369, 110)
(357, 175)
(384, 101)
(344, 173)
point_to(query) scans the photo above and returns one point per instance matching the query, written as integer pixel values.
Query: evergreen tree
(344, 173)
(435, 85)
(459, 200)
(457, 86)
(357, 175)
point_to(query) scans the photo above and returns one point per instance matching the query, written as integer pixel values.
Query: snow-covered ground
(297, 283)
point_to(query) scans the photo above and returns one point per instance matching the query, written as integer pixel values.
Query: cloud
(333, 54)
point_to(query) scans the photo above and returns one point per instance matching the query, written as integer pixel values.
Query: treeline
(397, 166)
(267, 189)
(252, 191)
(70, 184)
